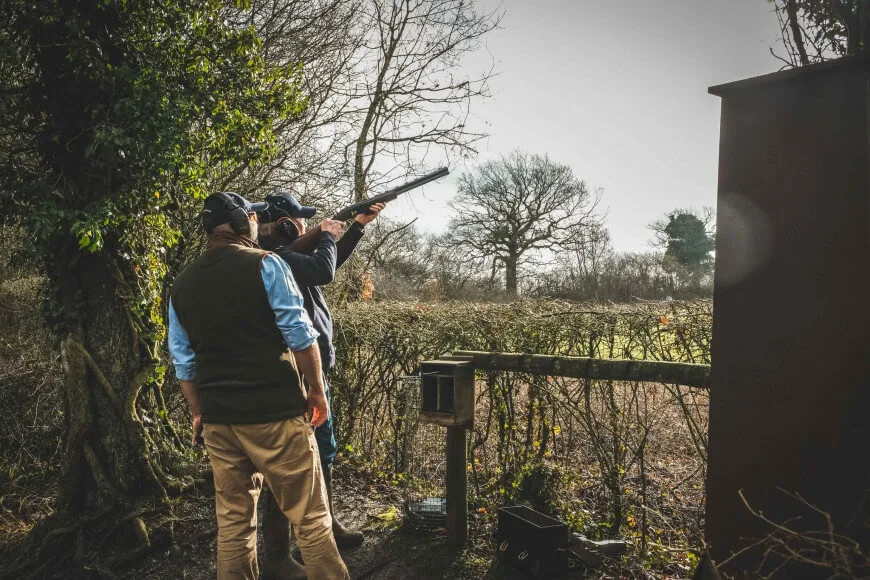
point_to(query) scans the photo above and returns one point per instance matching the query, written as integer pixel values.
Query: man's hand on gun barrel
(370, 215)
(283, 206)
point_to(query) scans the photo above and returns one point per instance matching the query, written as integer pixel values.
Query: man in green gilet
(237, 331)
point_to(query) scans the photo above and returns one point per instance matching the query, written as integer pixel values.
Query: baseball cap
(286, 202)
(219, 206)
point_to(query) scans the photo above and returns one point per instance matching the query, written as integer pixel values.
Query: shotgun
(308, 242)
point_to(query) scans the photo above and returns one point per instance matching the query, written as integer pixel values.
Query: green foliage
(122, 111)
(688, 246)
(539, 484)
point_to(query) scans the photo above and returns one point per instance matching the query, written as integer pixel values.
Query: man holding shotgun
(311, 271)
(313, 256)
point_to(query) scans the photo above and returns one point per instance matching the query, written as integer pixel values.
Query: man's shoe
(278, 564)
(286, 569)
(344, 538)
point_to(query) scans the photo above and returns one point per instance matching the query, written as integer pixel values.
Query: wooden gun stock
(307, 242)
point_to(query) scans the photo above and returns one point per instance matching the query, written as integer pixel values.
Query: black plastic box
(532, 542)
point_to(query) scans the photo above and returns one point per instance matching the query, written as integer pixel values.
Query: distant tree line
(525, 225)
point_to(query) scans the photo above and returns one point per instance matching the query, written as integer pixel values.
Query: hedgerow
(614, 459)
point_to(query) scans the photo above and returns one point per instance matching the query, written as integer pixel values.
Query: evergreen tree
(688, 246)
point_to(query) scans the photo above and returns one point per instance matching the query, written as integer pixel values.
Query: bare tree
(589, 253)
(320, 38)
(408, 92)
(816, 30)
(518, 209)
(385, 87)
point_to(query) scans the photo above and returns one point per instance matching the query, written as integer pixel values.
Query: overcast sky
(617, 91)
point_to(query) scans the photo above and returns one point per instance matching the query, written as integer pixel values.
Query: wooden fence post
(457, 485)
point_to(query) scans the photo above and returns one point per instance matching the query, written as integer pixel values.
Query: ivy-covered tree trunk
(105, 361)
(109, 485)
(116, 115)
(106, 364)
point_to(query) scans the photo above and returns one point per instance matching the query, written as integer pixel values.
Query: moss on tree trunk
(108, 480)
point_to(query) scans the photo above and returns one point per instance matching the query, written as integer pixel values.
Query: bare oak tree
(518, 209)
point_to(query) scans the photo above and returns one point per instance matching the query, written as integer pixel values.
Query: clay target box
(447, 392)
(532, 542)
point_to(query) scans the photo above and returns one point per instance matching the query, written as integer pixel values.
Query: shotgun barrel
(306, 243)
(361, 206)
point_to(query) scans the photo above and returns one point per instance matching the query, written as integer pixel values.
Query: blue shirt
(286, 302)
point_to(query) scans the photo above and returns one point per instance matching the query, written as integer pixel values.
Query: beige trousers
(285, 454)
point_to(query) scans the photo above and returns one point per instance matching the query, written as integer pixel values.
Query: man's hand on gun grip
(331, 226)
(364, 218)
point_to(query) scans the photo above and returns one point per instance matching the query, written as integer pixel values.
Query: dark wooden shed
(790, 385)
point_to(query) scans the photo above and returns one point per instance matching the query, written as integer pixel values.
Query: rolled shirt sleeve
(286, 301)
(180, 349)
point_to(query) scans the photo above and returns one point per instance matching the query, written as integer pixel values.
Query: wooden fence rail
(691, 375)
(688, 374)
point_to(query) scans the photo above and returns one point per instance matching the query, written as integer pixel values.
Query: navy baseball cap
(218, 207)
(284, 201)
